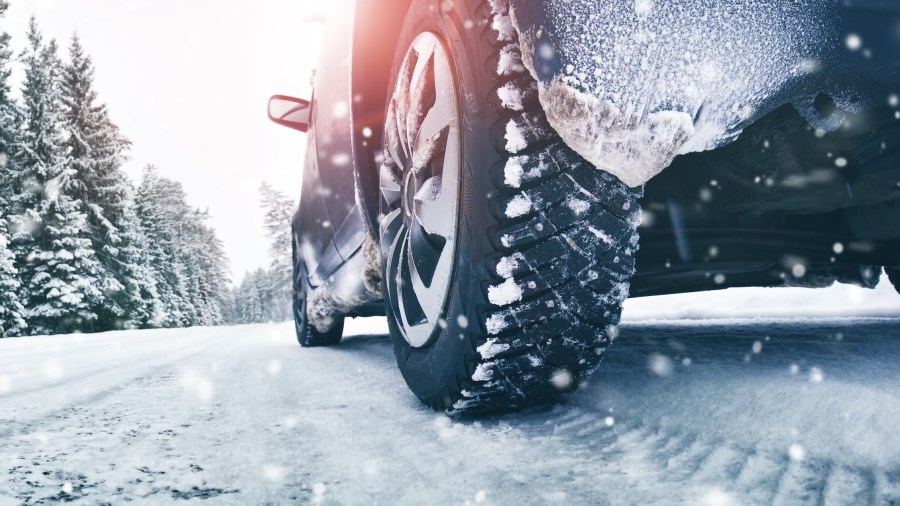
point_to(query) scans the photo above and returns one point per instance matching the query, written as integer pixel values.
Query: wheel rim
(420, 182)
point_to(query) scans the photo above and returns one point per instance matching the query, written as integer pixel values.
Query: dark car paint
(353, 71)
(378, 25)
(326, 200)
(871, 73)
(775, 196)
(674, 253)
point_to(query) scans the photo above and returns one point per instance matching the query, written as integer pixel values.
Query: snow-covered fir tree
(12, 320)
(96, 152)
(208, 277)
(249, 300)
(216, 270)
(81, 249)
(57, 263)
(139, 298)
(185, 256)
(11, 310)
(265, 294)
(279, 210)
(159, 205)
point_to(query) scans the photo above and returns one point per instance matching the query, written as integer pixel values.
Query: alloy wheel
(420, 185)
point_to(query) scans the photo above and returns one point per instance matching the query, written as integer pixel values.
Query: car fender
(631, 85)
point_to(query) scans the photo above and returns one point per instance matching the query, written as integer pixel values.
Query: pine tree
(278, 210)
(57, 263)
(11, 310)
(10, 119)
(185, 256)
(214, 267)
(139, 298)
(249, 301)
(155, 200)
(96, 151)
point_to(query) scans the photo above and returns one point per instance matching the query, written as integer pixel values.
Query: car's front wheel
(506, 256)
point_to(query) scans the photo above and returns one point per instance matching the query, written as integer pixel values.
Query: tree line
(265, 294)
(82, 249)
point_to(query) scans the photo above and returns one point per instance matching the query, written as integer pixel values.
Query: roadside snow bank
(838, 300)
(630, 85)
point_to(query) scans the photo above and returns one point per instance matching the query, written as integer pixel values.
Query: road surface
(736, 411)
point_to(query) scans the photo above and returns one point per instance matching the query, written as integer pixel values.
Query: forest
(85, 249)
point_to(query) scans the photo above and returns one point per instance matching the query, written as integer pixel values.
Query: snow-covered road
(738, 411)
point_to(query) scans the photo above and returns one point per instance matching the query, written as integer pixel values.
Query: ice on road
(745, 411)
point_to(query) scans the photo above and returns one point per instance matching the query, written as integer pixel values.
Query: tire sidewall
(298, 294)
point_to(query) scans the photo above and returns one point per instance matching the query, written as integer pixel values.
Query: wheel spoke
(432, 210)
(410, 303)
(423, 66)
(394, 144)
(390, 227)
(405, 150)
(390, 184)
(431, 306)
(421, 97)
(433, 126)
(442, 112)
(427, 149)
(401, 99)
(420, 181)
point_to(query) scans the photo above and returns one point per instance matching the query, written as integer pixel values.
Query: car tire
(307, 335)
(544, 246)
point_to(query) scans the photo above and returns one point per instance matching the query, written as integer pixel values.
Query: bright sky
(188, 82)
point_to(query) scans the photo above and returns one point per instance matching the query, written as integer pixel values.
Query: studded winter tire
(506, 256)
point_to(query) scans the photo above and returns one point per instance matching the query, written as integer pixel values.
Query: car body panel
(377, 27)
(630, 86)
(327, 195)
(339, 199)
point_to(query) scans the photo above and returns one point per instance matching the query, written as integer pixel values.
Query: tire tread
(572, 267)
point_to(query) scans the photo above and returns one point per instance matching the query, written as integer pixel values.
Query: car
(453, 179)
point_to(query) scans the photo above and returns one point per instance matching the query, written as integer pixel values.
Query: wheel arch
(376, 33)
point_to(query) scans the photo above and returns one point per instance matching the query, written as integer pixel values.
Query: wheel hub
(420, 184)
(410, 188)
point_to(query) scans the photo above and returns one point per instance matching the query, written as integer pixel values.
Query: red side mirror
(289, 112)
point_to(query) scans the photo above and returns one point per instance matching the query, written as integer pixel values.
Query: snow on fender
(631, 85)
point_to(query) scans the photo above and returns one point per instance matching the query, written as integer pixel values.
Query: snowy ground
(718, 411)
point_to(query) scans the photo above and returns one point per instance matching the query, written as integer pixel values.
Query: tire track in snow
(757, 472)
(338, 425)
(98, 370)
